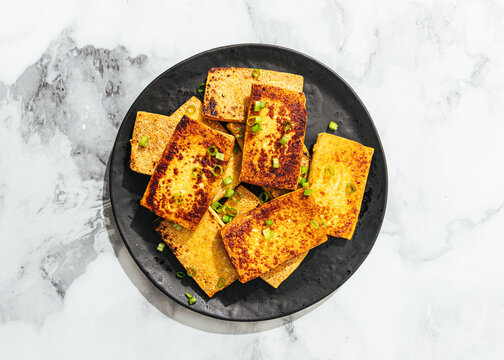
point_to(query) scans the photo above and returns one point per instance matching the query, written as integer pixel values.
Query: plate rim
(270, 46)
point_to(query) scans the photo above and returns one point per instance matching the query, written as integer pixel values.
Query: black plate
(326, 267)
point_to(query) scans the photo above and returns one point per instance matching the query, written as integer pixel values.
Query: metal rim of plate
(325, 268)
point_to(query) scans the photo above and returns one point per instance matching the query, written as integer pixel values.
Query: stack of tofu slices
(218, 229)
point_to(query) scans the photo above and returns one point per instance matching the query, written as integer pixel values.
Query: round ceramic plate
(325, 268)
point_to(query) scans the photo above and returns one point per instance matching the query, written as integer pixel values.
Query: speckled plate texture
(327, 267)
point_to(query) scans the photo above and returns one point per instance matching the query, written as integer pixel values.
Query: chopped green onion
(276, 164)
(256, 128)
(304, 169)
(236, 148)
(333, 126)
(255, 73)
(177, 227)
(161, 246)
(232, 211)
(257, 120)
(350, 188)
(239, 133)
(307, 192)
(191, 109)
(264, 197)
(329, 171)
(283, 140)
(212, 150)
(217, 206)
(193, 300)
(219, 156)
(324, 222)
(189, 296)
(180, 274)
(268, 234)
(269, 222)
(301, 180)
(201, 87)
(179, 198)
(226, 219)
(287, 125)
(219, 168)
(305, 184)
(197, 172)
(227, 180)
(314, 224)
(239, 196)
(143, 141)
(221, 283)
(229, 192)
(191, 272)
(258, 105)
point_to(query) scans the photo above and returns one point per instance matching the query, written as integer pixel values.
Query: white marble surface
(430, 72)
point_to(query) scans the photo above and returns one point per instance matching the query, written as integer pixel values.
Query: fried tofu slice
(185, 180)
(159, 128)
(283, 117)
(227, 90)
(249, 202)
(233, 171)
(338, 176)
(201, 250)
(252, 254)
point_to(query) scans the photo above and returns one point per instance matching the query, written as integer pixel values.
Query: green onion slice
(201, 87)
(333, 125)
(232, 212)
(329, 171)
(283, 140)
(193, 301)
(239, 196)
(227, 180)
(177, 227)
(264, 197)
(350, 188)
(276, 164)
(269, 222)
(229, 192)
(143, 141)
(258, 105)
(256, 120)
(179, 198)
(191, 109)
(189, 296)
(287, 125)
(307, 192)
(226, 218)
(305, 184)
(191, 272)
(314, 224)
(219, 156)
(301, 180)
(217, 206)
(255, 73)
(180, 274)
(268, 234)
(219, 172)
(212, 150)
(324, 222)
(304, 169)
(161, 246)
(239, 133)
(196, 171)
(221, 283)
(256, 128)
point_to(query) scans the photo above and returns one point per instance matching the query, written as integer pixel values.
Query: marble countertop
(431, 73)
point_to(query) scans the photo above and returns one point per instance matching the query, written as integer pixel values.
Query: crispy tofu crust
(173, 192)
(227, 90)
(351, 162)
(277, 275)
(248, 250)
(202, 250)
(159, 129)
(260, 148)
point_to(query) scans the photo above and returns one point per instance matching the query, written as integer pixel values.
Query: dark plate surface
(326, 267)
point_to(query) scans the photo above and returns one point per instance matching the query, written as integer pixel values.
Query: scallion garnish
(229, 192)
(232, 211)
(329, 171)
(287, 125)
(324, 222)
(307, 192)
(188, 295)
(256, 128)
(193, 300)
(160, 247)
(239, 133)
(283, 140)
(227, 180)
(219, 168)
(226, 218)
(177, 227)
(143, 141)
(219, 156)
(179, 198)
(212, 150)
(191, 272)
(305, 184)
(333, 126)
(201, 87)
(314, 224)
(217, 206)
(276, 163)
(264, 197)
(255, 73)
(196, 171)
(180, 274)
(256, 120)
(221, 283)
(268, 234)
(301, 180)
(269, 222)
(258, 105)
(350, 188)
(191, 109)
(304, 169)
(237, 193)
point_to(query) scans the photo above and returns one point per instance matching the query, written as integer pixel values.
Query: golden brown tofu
(185, 180)
(247, 203)
(238, 130)
(227, 90)
(159, 128)
(201, 250)
(283, 118)
(255, 248)
(338, 175)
